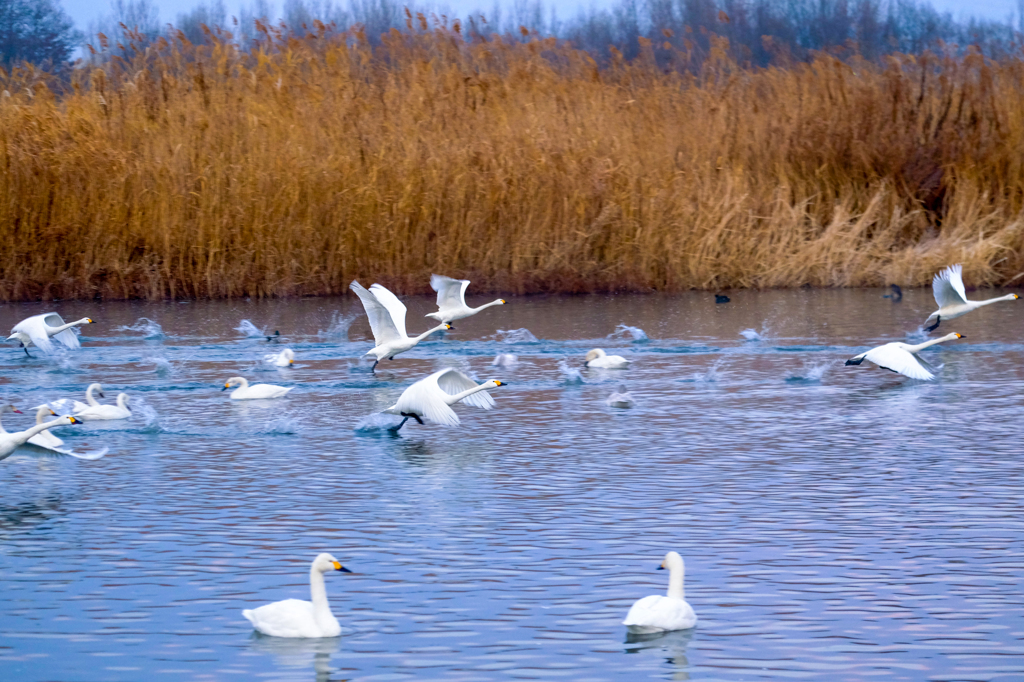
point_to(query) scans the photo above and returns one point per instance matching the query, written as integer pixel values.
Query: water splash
(378, 423)
(754, 335)
(161, 366)
(142, 409)
(338, 328)
(711, 375)
(247, 328)
(285, 425)
(625, 332)
(811, 373)
(515, 336)
(505, 360)
(570, 375)
(148, 328)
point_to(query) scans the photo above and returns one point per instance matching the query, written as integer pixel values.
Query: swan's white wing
(288, 618)
(451, 293)
(393, 305)
(454, 381)
(384, 329)
(67, 338)
(48, 452)
(948, 287)
(894, 358)
(425, 398)
(35, 329)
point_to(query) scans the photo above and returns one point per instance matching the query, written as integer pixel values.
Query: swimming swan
(47, 441)
(387, 320)
(948, 288)
(298, 618)
(38, 329)
(659, 614)
(621, 398)
(283, 359)
(254, 392)
(598, 359)
(505, 360)
(9, 442)
(432, 398)
(97, 412)
(902, 358)
(451, 299)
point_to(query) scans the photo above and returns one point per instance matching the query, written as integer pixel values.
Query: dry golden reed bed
(208, 172)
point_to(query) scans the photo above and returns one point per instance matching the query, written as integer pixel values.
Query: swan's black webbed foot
(375, 363)
(414, 416)
(935, 326)
(400, 425)
(25, 348)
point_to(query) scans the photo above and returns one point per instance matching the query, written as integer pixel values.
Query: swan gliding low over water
(948, 288)
(387, 320)
(902, 358)
(254, 392)
(298, 618)
(451, 299)
(431, 398)
(660, 614)
(9, 442)
(38, 329)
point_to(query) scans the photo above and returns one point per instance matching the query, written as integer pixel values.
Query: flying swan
(38, 329)
(902, 358)
(387, 320)
(285, 358)
(451, 299)
(598, 359)
(298, 618)
(432, 398)
(9, 442)
(948, 288)
(659, 614)
(47, 441)
(254, 392)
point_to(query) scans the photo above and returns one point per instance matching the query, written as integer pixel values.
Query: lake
(837, 522)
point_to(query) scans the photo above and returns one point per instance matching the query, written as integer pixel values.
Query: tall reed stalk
(205, 171)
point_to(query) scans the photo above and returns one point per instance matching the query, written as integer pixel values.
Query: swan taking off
(432, 398)
(283, 359)
(67, 405)
(47, 441)
(298, 618)
(254, 392)
(451, 299)
(97, 412)
(659, 614)
(38, 329)
(598, 359)
(9, 442)
(387, 320)
(948, 288)
(621, 398)
(902, 358)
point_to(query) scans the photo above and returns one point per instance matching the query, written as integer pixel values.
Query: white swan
(38, 329)
(9, 442)
(598, 359)
(67, 405)
(254, 392)
(902, 358)
(657, 613)
(298, 618)
(283, 359)
(432, 398)
(505, 360)
(47, 441)
(387, 320)
(97, 412)
(451, 299)
(621, 398)
(948, 288)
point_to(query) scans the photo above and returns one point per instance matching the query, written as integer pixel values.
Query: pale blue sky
(84, 11)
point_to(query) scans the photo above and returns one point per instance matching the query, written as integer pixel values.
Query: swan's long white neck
(429, 332)
(89, 397)
(57, 330)
(452, 399)
(676, 577)
(41, 413)
(1008, 297)
(122, 400)
(318, 595)
(486, 305)
(927, 344)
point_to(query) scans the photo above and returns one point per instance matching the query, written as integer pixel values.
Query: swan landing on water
(432, 398)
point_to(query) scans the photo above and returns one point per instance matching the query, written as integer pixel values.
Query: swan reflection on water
(672, 644)
(299, 653)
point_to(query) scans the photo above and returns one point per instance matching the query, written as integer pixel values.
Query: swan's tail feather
(436, 316)
(249, 616)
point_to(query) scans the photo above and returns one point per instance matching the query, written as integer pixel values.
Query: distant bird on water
(896, 295)
(276, 337)
(721, 298)
(903, 358)
(948, 287)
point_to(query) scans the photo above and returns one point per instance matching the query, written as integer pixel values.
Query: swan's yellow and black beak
(88, 320)
(339, 567)
(447, 326)
(74, 421)
(662, 567)
(500, 383)
(960, 336)
(53, 413)
(226, 387)
(503, 301)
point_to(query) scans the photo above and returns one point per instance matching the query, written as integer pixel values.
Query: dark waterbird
(896, 295)
(721, 298)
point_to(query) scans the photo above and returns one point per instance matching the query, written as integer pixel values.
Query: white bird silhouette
(431, 398)
(451, 299)
(948, 288)
(903, 358)
(387, 320)
(38, 329)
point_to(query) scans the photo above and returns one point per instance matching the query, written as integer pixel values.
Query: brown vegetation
(205, 171)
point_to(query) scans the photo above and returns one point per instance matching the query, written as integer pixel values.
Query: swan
(9, 442)
(38, 329)
(505, 360)
(67, 405)
(298, 618)
(432, 398)
(597, 358)
(621, 398)
(451, 299)
(254, 392)
(47, 441)
(902, 358)
(98, 412)
(285, 358)
(659, 614)
(387, 320)
(948, 288)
